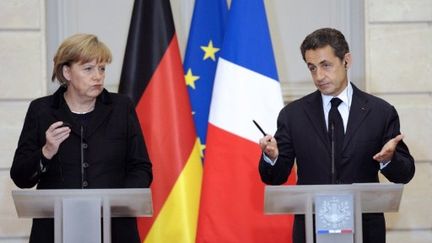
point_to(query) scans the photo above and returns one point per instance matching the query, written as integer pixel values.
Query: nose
(319, 75)
(98, 75)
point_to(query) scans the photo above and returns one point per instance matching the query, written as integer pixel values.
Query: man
(369, 141)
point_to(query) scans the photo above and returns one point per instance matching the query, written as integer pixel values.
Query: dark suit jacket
(115, 155)
(302, 136)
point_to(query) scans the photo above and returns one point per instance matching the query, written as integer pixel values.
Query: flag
(152, 76)
(202, 52)
(246, 88)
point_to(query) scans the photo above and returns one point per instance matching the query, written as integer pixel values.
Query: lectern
(77, 213)
(337, 208)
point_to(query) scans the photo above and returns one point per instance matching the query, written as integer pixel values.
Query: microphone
(82, 155)
(332, 138)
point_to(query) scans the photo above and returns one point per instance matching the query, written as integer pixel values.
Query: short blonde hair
(79, 48)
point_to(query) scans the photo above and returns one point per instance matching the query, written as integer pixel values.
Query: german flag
(152, 76)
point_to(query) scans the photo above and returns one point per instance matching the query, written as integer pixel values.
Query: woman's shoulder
(42, 101)
(117, 99)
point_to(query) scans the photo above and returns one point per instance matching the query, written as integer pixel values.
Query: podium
(76, 211)
(335, 207)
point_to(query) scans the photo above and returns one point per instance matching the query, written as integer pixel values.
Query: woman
(82, 136)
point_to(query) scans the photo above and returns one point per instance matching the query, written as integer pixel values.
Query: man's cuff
(384, 164)
(268, 160)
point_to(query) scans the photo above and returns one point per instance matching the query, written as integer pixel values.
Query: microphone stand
(82, 155)
(333, 168)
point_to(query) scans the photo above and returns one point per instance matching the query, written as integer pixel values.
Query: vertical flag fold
(152, 76)
(246, 88)
(202, 52)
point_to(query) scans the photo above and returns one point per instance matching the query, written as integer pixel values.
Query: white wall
(398, 68)
(22, 78)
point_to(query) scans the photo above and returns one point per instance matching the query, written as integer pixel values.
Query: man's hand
(55, 135)
(268, 145)
(387, 151)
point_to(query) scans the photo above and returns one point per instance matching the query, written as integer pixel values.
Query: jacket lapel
(101, 111)
(61, 112)
(315, 113)
(358, 112)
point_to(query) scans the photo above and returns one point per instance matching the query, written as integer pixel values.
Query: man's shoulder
(371, 99)
(300, 103)
(309, 98)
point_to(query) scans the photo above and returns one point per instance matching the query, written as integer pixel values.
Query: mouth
(324, 85)
(96, 88)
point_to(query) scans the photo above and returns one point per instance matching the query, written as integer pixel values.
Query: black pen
(258, 126)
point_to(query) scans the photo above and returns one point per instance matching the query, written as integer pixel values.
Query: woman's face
(85, 79)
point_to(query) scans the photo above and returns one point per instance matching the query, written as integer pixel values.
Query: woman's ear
(66, 72)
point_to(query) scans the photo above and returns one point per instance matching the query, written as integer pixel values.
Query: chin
(326, 91)
(95, 93)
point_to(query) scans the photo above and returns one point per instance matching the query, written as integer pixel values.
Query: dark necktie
(336, 135)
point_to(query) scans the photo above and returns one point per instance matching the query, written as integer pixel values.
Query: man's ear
(347, 60)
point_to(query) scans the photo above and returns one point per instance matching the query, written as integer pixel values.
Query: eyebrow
(322, 62)
(87, 63)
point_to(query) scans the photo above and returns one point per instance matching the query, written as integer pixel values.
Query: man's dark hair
(323, 37)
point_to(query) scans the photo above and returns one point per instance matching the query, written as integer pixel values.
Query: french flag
(246, 88)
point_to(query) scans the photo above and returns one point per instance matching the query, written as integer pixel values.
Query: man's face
(328, 72)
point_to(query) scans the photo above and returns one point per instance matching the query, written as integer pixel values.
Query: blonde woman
(82, 136)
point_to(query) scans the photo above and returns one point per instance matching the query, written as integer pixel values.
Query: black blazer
(302, 137)
(115, 155)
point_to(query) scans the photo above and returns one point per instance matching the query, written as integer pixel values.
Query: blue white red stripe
(336, 231)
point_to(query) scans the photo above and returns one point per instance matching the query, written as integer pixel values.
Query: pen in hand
(262, 131)
(273, 148)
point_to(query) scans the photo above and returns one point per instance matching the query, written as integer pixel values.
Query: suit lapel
(315, 113)
(358, 112)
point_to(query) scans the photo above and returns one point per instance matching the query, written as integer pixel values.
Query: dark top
(114, 154)
(302, 137)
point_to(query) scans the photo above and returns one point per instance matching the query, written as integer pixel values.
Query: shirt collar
(345, 96)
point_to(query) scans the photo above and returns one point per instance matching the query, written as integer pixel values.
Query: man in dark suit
(371, 141)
